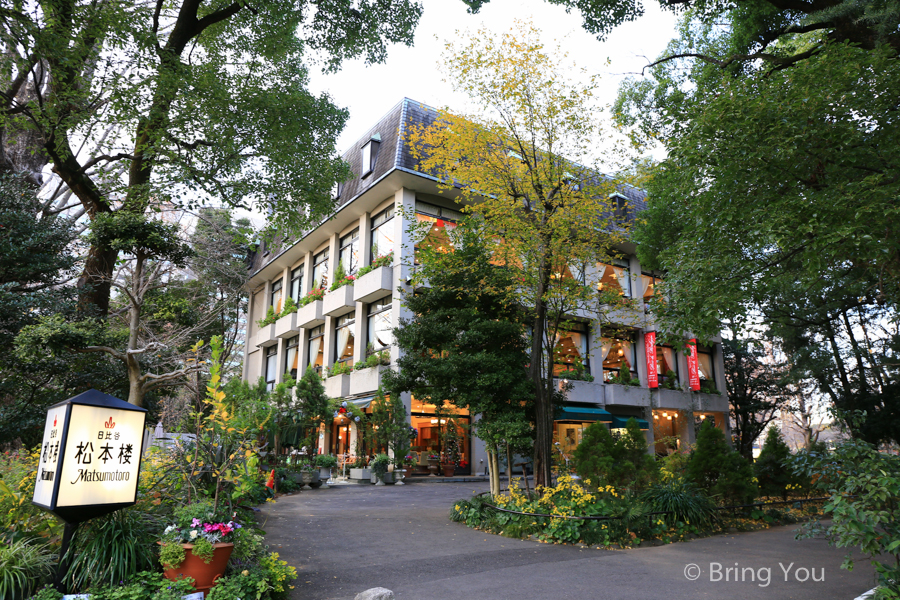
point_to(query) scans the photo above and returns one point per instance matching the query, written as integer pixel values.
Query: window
(316, 355)
(320, 269)
(705, 367)
(275, 296)
(297, 283)
(443, 221)
(343, 333)
(617, 350)
(614, 277)
(382, 234)
(348, 256)
(292, 356)
(574, 271)
(665, 362)
(337, 190)
(378, 329)
(620, 204)
(649, 284)
(570, 354)
(369, 154)
(271, 367)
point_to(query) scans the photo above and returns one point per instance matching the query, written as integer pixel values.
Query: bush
(620, 461)
(685, 501)
(326, 461)
(24, 566)
(718, 469)
(380, 465)
(772, 471)
(141, 586)
(112, 548)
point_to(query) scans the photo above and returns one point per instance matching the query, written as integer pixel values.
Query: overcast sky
(370, 92)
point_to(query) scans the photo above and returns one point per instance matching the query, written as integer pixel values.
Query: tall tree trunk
(543, 426)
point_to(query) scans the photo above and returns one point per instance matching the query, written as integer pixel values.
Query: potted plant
(325, 462)
(308, 474)
(198, 545)
(380, 468)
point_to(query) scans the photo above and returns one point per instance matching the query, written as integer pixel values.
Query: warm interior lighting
(655, 416)
(669, 418)
(702, 417)
(665, 414)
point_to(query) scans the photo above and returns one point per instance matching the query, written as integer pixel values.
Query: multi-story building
(372, 216)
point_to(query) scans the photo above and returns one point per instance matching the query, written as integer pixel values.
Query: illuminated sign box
(90, 457)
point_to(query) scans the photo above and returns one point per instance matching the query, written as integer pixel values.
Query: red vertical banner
(650, 353)
(693, 367)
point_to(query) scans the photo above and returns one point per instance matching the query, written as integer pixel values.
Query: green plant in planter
(624, 378)
(343, 368)
(271, 317)
(381, 261)
(171, 555)
(708, 387)
(313, 295)
(326, 461)
(289, 307)
(203, 549)
(380, 465)
(373, 359)
(341, 278)
(669, 381)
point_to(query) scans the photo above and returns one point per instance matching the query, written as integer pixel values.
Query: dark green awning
(622, 422)
(584, 413)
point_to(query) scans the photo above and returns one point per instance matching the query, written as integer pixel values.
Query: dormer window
(620, 204)
(370, 153)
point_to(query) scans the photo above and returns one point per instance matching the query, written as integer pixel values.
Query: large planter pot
(361, 474)
(203, 574)
(308, 477)
(324, 473)
(448, 469)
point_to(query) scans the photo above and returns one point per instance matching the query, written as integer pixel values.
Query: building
(371, 221)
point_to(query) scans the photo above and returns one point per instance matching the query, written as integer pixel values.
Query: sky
(369, 92)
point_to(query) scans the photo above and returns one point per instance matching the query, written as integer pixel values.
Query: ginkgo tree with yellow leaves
(525, 164)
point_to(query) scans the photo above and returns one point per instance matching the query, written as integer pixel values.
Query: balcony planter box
(266, 336)
(361, 475)
(626, 395)
(367, 380)
(339, 302)
(582, 391)
(338, 386)
(286, 326)
(310, 315)
(374, 285)
(674, 399)
(711, 403)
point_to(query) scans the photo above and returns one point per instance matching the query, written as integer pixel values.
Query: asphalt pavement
(350, 538)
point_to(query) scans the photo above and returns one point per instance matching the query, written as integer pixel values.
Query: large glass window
(316, 352)
(369, 154)
(271, 367)
(666, 365)
(648, 286)
(320, 269)
(617, 350)
(570, 354)
(705, 367)
(275, 296)
(379, 334)
(614, 277)
(382, 234)
(443, 221)
(292, 356)
(297, 283)
(343, 330)
(349, 252)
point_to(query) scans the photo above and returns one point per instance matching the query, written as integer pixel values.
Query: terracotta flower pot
(448, 469)
(203, 574)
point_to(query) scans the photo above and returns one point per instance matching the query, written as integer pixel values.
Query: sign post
(90, 461)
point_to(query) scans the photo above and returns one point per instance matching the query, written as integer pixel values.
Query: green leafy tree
(772, 468)
(139, 106)
(315, 409)
(526, 168)
(718, 469)
(466, 344)
(617, 460)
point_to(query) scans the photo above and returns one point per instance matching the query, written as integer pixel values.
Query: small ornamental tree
(617, 460)
(315, 409)
(719, 469)
(773, 472)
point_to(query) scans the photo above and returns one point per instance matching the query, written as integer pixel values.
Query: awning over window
(622, 422)
(362, 402)
(584, 413)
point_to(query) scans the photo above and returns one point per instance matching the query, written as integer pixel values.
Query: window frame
(314, 334)
(270, 357)
(277, 288)
(292, 343)
(297, 276)
(584, 330)
(386, 307)
(320, 258)
(352, 240)
(376, 225)
(369, 154)
(632, 340)
(343, 322)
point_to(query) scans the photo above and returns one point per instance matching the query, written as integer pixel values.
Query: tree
(718, 469)
(758, 392)
(139, 106)
(466, 344)
(617, 460)
(773, 472)
(315, 409)
(523, 166)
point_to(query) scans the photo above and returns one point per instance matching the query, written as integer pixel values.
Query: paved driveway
(347, 539)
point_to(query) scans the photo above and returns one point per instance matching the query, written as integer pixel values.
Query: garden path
(350, 538)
